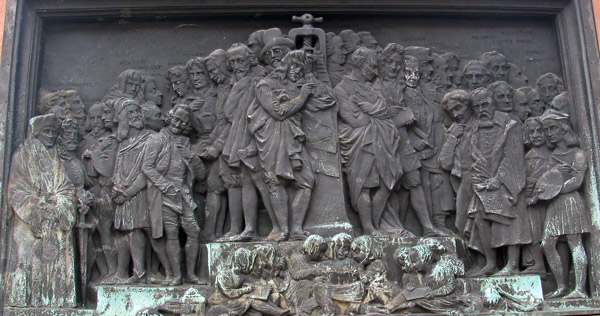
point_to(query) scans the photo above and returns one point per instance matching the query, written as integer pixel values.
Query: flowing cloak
(455, 157)
(567, 213)
(157, 157)
(128, 176)
(41, 255)
(275, 121)
(369, 141)
(236, 108)
(498, 152)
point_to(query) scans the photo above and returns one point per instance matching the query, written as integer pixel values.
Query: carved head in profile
(297, 64)
(453, 62)
(45, 128)
(335, 49)
(520, 105)
(496, 64)
(108, 114)
(368, 40)
(502, 93)
(557, 128)
(153, 116)
(314, 247)
(340, 246)
(258, 39)
(218, 67)
(533, 132)
(179, 81)
(533, 101)
(196, 68)
(456, 103)
(548, 86)
(351, 41)
(69, 136)
(365, 249)
(364, 63)
(482, 104)
(151, 91)
(178, 120)
(390, 61)
(241, 60)
(275, 49)
(442, 77)
(412, 73)
(516, 78)
(476, 75)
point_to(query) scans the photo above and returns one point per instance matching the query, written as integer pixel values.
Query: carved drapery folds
(285, 123)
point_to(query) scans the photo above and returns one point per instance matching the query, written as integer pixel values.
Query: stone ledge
(121, 300)
(28, 311)
(576, 304)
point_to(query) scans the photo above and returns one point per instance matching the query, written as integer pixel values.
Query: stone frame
(573, 20)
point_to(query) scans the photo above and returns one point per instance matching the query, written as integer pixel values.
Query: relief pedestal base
(114, 300)
(16, 311)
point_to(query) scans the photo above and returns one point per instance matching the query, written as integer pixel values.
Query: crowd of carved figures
(473, 148)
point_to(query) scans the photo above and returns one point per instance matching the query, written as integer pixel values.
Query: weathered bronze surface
(294, 166)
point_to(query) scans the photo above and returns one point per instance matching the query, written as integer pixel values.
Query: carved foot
(299, 235)
(244, 236)
(115, 279)
(136, 278)
(192, 279)
(485, 271)
(575, 294)
(175, 281)
(277, 237)
(434, 232)
(558, 293)
(506, 271)
(403, 233)
(227, 237)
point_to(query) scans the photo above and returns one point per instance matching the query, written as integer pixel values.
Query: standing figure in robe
(41, 251)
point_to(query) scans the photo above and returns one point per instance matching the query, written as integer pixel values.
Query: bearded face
(134, 116)
(412, 74)
(69, 138)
